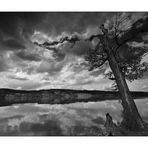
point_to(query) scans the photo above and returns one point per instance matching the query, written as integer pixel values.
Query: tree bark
(131, 117)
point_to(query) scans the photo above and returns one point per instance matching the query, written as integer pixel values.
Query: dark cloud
(15, 27)
(58, 55)
(25, 55)
(51, 67)
(4, 62)
(74, 21)
(3, 66)
(17, 31)
(23, 24)
(79, 49)
(16, 23)
(78, 66)
(12, 44)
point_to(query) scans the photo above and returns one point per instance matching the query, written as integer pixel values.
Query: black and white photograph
(74, 73)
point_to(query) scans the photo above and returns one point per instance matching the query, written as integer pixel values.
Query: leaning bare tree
(121, 44)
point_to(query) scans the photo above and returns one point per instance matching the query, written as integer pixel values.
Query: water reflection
(70, 119)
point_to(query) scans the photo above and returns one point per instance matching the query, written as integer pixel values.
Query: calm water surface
(70, 119)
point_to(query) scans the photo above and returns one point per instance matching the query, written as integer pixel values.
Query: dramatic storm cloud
(23, 65)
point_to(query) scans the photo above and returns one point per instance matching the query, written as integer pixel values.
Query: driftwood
(109, 125)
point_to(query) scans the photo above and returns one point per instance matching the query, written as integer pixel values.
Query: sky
(24, 65)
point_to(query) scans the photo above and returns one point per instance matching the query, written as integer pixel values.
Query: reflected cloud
(69, 119)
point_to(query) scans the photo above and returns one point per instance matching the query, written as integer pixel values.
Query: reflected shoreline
(69, 119)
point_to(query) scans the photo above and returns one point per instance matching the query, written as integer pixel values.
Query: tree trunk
(131, 117)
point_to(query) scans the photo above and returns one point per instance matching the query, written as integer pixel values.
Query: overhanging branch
(138, 27)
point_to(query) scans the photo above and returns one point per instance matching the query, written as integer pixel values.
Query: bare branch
(138, 27)
(116, 34)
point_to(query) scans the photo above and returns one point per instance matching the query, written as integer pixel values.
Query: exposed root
(127, 127)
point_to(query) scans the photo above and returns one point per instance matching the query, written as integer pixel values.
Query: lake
(69, 119)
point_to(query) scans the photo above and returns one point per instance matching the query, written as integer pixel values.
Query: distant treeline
(59, 96)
